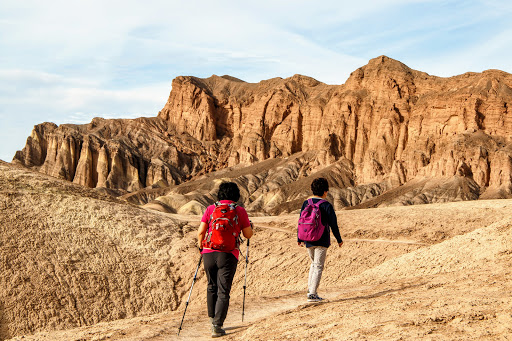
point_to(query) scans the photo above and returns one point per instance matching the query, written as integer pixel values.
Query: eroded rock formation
(118, 154)
(389, 120)
(390, 123)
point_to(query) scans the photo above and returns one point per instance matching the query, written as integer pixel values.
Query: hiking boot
(217, 331)
(314, 298)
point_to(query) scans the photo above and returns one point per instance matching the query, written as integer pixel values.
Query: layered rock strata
(393, 123)
(389, 122)
(118, 154)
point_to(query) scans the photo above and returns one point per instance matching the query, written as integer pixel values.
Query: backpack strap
(208, 229)
(217, 203)
(319, 202)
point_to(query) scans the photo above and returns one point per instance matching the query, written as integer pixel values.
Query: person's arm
(201, 233)
(245, 222)
(333, 223)
(247, 232)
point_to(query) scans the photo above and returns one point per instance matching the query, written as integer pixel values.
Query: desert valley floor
(76, 264)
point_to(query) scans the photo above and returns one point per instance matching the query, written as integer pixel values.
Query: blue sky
(69, 61)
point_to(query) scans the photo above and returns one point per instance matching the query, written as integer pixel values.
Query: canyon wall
(391, 123)
(123, 155)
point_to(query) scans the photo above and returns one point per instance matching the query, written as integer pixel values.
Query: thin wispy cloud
(69, 61)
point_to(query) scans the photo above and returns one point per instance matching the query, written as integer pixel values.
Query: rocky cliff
(125, 155)
(389, 120)
(390, 123)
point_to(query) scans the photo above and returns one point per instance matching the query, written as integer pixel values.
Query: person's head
(319, 186)
(228, 191)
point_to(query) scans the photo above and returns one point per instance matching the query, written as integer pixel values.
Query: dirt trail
(262, 308)
(165, 326)
(259, 222)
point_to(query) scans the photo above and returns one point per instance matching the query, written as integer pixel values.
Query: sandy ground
(447, 278)
(425, 272)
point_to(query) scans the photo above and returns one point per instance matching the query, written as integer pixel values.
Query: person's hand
(340, 244)
(301, 244)
(200, 247)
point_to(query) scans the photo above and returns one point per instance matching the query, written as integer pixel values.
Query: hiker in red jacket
(219, 244)
(317, 249)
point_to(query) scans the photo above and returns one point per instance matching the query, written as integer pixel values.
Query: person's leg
(311, 253)
(226, 264)
(317, 255)
(210, 267)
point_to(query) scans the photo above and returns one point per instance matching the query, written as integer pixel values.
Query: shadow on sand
(234, 328)
(378, 294)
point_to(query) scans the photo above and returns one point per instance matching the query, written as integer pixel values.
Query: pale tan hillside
(70, 256)
(278, 186)
(73, 257)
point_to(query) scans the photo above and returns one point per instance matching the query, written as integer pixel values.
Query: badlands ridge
(387, 125)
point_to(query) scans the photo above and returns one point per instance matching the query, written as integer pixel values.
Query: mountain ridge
(391, 123)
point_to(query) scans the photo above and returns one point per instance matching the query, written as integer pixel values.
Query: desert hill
(386, 126)
(77, 264)
(71, 256)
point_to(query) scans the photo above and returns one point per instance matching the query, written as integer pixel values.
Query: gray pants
(317, 255)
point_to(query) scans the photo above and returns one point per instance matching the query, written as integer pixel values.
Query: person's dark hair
(228, 191)
(319, 186)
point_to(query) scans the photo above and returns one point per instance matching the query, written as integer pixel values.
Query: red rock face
(389, 120)
(393, 123)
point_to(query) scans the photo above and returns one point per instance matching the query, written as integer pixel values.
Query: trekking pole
(245, 281)
(190, 293)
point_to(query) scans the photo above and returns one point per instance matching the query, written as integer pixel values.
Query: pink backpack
(310, 227)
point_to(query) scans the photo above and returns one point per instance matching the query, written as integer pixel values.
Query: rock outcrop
(388, 122)
(127, 155)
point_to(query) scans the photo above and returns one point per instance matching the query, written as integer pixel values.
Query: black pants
(220, 268)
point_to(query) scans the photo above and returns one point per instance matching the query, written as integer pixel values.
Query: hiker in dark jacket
(220, 266)
(318, 249)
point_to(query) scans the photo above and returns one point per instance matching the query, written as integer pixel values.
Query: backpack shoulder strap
(217, 204)
(318, 203)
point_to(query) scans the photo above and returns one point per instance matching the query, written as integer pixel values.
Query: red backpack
(224, 229)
